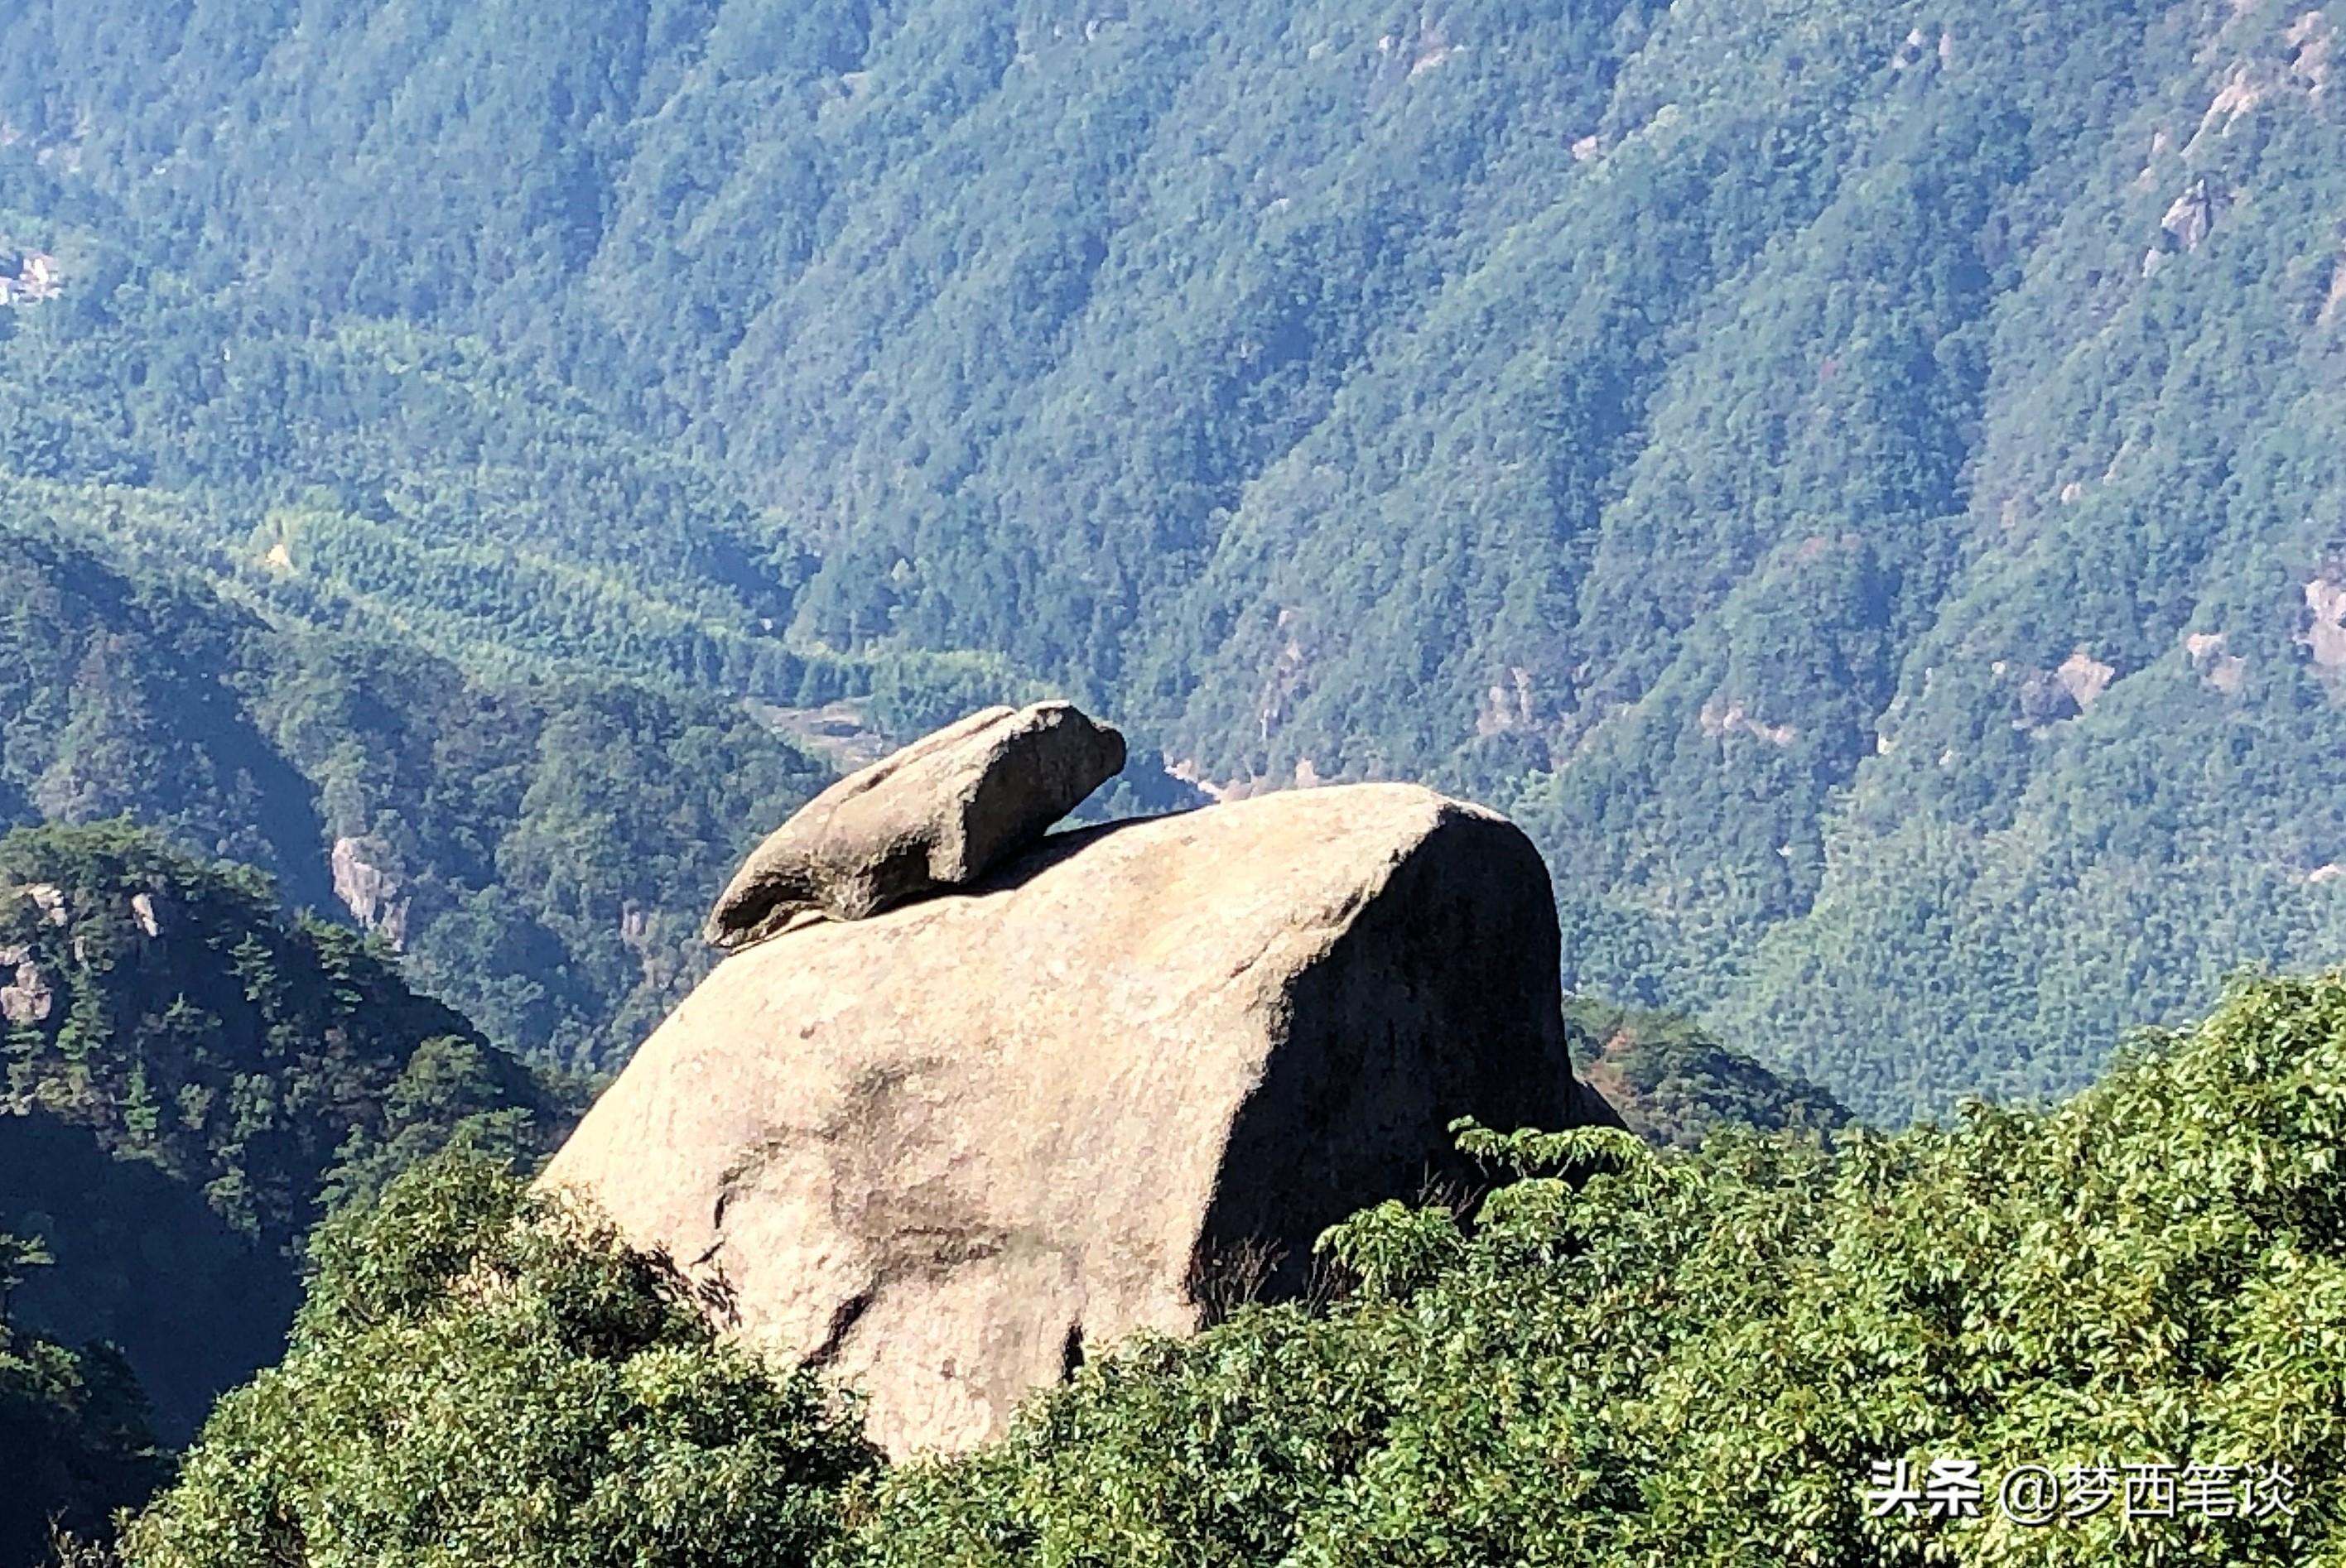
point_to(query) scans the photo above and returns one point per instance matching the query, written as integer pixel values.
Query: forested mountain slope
(1674, 1085)
(542, 851)
(190, 1080)
(1853, 480)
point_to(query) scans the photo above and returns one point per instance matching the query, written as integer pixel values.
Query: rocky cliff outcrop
(30, 996)
(944, 1149)
(371, 894)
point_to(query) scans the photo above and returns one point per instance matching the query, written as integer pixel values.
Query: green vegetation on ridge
(190, 1080)
(1673, 1083)
(542, 849)
(74, 1442)
(1684, 1358)
(482, 1376)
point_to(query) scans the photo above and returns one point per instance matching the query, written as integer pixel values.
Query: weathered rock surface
(939, 813)
(30, 996)
(150, 912)
(371, 894)
(945, 1149)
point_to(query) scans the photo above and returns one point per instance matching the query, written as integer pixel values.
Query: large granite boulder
(944, 1150)
(938, 814)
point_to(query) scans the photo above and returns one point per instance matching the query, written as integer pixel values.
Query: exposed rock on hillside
(2325, 637)
(2067, 692)
(2192, 214)
(937, 814)
(2227, 672)
(945, 1149)
(371, 893)
(28, 1000)
(1673, 1083)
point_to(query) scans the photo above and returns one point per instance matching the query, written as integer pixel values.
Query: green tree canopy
(74, 1439)
(1619, 1357)
(483, 1376)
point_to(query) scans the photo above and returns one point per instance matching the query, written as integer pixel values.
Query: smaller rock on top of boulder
(938, 814)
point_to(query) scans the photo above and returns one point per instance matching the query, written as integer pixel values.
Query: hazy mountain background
(1859, 484)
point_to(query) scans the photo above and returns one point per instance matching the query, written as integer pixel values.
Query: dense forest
(540, 847)
(192, 1080)
(1852, 480)
(1618, 1356)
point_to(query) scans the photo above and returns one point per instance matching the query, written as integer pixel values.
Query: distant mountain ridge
(1673, 1083)
(1853, 480)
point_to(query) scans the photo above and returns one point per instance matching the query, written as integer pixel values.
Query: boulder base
(944, 1150)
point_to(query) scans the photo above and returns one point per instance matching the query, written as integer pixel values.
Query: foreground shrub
(75, 1444)
(486, 1376)
(1667, 1359)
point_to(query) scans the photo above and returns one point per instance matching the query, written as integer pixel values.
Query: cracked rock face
(29, 999)
(945, 1149)
(936, 815)
(371, 894)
